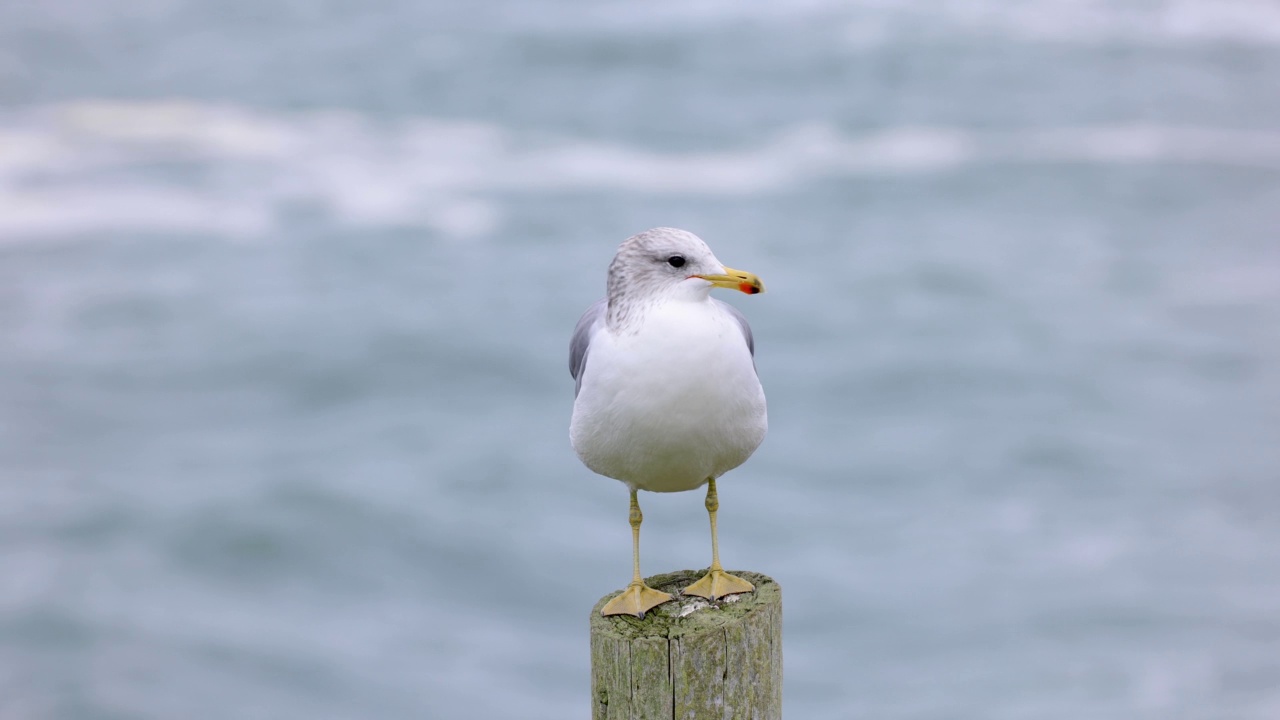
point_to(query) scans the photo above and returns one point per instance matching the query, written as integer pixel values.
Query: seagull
(666, 394)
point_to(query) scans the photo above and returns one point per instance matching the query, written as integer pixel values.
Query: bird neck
(626, 311)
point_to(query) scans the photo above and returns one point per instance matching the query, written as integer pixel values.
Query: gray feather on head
(649, 264)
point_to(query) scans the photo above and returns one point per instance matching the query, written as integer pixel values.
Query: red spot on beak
(748, 288)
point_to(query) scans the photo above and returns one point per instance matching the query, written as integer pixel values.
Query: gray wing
(742, 323)
(590, 321)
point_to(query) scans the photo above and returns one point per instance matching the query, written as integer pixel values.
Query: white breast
(672, 404)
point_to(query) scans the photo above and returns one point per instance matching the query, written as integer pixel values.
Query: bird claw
(636, 599)
(717, 583)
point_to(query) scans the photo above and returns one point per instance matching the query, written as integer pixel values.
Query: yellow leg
(716, 583)
(637, 598)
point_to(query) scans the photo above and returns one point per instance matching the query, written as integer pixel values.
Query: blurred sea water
(286, 291)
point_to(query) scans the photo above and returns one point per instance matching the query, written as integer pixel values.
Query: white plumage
(668, 395)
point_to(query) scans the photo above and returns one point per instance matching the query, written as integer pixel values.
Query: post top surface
(686, 614)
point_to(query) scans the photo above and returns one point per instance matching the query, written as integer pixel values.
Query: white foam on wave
(203, 168)
(879, 22)
(1158, 22)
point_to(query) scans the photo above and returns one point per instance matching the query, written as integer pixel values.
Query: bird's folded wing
(590, 322)
(742, 322)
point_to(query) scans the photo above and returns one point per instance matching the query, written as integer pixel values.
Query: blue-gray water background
(286, 289)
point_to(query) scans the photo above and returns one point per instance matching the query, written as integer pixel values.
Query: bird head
(670, 262)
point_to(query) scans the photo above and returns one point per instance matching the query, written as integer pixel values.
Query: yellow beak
(741, 280)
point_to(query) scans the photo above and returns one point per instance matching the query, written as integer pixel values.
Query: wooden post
(690, 659)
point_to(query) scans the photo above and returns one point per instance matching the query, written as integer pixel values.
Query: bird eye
(676, 261)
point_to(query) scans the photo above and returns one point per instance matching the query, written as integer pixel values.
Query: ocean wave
(878, 22)
(1075, 21)
(228, 170)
